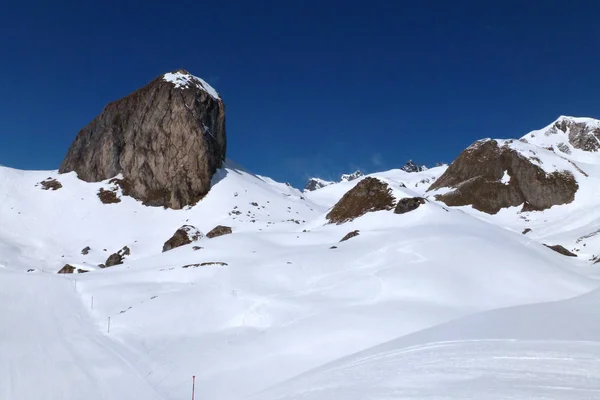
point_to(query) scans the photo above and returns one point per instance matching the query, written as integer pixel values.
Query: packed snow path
(51, 349)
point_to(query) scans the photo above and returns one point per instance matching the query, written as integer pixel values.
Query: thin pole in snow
(108, 331)
(193, 386)
(92, 302)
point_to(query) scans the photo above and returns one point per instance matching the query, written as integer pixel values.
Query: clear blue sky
(311, 87)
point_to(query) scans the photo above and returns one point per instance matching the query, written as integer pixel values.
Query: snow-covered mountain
(318, 183)
(408, 295)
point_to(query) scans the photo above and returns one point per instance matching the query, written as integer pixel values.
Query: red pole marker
(193, 386)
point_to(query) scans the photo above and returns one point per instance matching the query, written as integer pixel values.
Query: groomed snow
(278, 297)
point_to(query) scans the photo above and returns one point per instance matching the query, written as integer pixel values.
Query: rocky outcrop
(490, 176)
(350, 177)
(67, 269)
(408, 204)
(410, 166)
(108, 196)
(350, 235)
(316, 183)
(219, 230)
(561, 250)
(368, 195)
(581, 135)
(50, 184)
(184, 235)
(167, 140)
(117, 258)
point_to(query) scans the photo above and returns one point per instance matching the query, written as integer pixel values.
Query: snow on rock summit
(167, 139)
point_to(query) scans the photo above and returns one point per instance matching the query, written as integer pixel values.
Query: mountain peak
(568, 135)
(410, 166)
(182, 79)
(350, 177)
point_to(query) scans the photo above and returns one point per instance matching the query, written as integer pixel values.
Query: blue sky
(311, 87)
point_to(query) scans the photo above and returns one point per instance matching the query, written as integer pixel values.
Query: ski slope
(279, 297)
(541, 351)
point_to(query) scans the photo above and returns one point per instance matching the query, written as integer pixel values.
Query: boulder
(67, 269)
(50, 184)
(167, 139)
(350, 235)
(117, 258)
(368, 195)
(184, 235)
(408, 204)
(479, 175)
(219, 230)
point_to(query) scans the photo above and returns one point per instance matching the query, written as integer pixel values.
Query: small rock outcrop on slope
(410, 166)
(219, 230)
(167, 139)
(184, 235)
(368, 195)
(490, 176)
(117, 258)
(50, 184)
(67, 269)
(408, 204)
(350, 235)
(561, 250)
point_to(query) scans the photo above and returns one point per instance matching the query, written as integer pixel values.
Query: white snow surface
(181, 80)
(258, 313)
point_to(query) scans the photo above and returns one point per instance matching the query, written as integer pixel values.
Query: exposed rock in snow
(350, 177)
(350, 235)
(410, 166)
(50, 184)
(184, 235)
(370, 194)
(491, 175)
(568, 134)
(561, 250)
(118, 257)
(316, 183)
(167, 139)
(408, 204)
(219, 230)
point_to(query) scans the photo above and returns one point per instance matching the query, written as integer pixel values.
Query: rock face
(316, 183)
(350, 177)
(219, 230)
(167, 139)
(410, 166)
(368, 195)
(408, 204)
(184, 235)
(568, 133)
(67, 269)
(490, 176)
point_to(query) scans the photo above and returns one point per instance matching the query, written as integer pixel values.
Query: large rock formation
(490, 175)
(368, 195)
(567, 134)
(184, 235)
(167, 139)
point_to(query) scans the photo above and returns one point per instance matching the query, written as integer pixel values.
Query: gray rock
(167, 139)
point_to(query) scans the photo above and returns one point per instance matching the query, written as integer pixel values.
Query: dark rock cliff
(167, 139)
